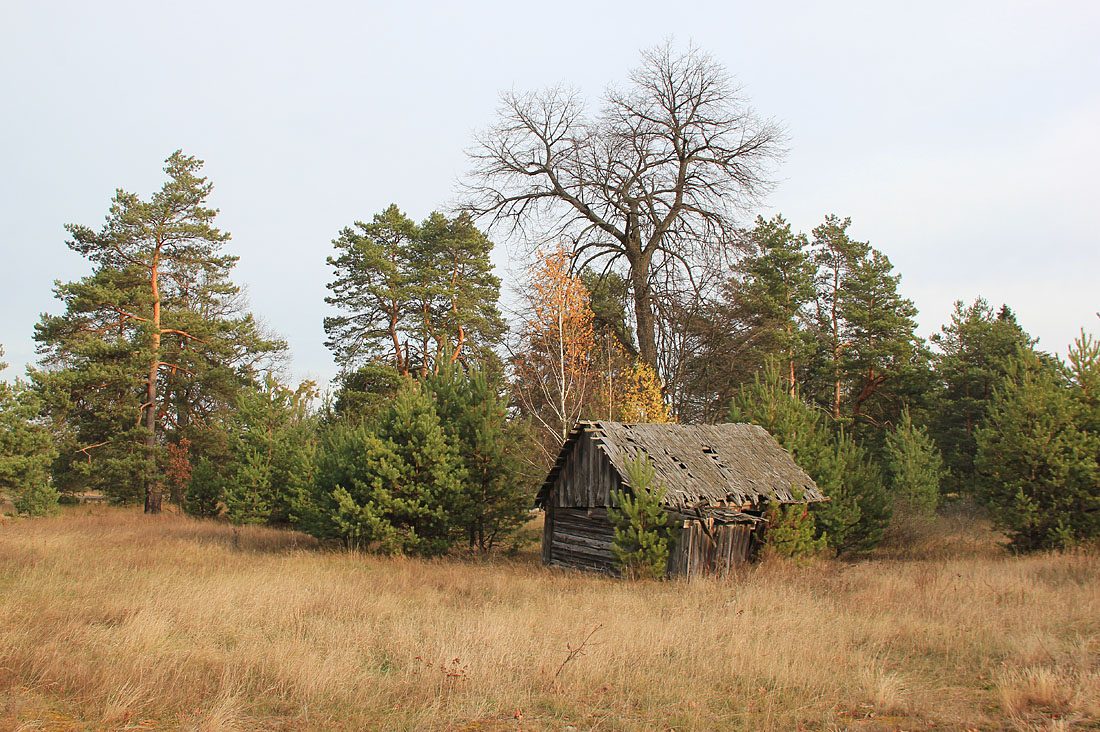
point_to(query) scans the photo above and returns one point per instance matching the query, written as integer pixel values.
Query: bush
(38, 499)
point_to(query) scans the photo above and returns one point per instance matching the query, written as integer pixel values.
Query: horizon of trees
(156, 382)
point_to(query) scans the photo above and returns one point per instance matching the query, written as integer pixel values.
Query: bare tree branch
(658, 177)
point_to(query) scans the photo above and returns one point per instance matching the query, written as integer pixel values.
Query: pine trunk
(152, 485)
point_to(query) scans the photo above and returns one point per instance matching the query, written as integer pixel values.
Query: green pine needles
(914, 468)
(642, 528)
(26, 450)
(1038, 458)
(857, 513)
(792, 531)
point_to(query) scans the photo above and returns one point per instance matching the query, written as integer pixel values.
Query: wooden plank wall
(713, 549)
(587, 478)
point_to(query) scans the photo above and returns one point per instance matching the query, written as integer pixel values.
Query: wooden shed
(718, 481)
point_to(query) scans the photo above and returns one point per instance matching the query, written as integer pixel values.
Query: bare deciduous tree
(651, 184)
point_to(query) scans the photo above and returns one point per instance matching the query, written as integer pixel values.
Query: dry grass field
(113, 621)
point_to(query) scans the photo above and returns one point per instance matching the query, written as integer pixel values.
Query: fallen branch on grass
(578, 651)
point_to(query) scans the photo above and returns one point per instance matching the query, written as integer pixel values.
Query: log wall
(580, 538)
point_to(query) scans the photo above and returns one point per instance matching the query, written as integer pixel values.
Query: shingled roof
(713, 465)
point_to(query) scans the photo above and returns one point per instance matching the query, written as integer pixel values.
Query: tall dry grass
(112, 620)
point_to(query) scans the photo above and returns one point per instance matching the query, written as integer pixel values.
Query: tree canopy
(409, 293)
(653, 182)
(155, 338)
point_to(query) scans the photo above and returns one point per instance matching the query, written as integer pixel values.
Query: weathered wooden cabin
(718, 481)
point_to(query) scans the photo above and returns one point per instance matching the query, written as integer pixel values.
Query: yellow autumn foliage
(640, 397)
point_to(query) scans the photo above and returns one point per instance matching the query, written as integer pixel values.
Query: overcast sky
(962, 138)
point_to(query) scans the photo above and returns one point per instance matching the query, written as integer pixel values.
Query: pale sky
(963, 138)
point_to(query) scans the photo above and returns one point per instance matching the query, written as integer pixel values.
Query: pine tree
(857, 511)
(372, 274)
(769, 294)
(92, 380)
(272, 439)
(357, 496)
(432, 476)
(1083, 371)
(642, 527)
(394, 487)
(974, 352)
(366, 391)
(464, 318)
(766, 402)
(474, 416)
(868, 353)
(409, 292)
(914, 468)
(792, 531)
(835, 255)
(205, 490)
(152, 341)
(1038, 463)
(26, 450)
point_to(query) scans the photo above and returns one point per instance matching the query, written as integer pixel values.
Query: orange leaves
(564, 370)
(559, 305)
(555, 368)
(178, 471)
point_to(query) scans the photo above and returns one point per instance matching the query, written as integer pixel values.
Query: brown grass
(111, 620)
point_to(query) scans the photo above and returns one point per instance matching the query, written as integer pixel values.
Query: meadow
(111, 620)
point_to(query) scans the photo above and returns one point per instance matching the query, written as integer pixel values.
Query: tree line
(644, 300)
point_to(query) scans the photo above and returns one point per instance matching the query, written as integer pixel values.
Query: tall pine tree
(973, 353)
(408, 293)
(154, 338)
(868, 355)
(769, 294)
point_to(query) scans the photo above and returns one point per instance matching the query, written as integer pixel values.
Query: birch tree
(556, 375)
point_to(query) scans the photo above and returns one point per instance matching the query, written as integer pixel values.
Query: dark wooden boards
(581, 539)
